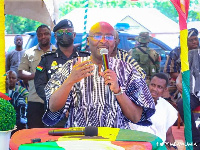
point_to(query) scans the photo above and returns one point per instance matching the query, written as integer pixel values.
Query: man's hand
(80, 71)
(110, 78)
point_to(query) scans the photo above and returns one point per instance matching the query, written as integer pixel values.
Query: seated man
(12, 84)
(165, 115)
(18, 97)
(98, 97)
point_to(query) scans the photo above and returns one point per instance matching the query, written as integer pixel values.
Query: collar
(52, 47)
(61, 54)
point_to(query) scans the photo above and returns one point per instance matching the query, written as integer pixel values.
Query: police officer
(52, 61)
(147, 58)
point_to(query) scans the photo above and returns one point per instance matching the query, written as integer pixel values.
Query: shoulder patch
(40, 68)
(48, 53)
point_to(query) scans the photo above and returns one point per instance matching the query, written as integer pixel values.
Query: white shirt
(164, 117)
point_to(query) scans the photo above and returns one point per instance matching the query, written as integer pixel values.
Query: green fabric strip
(127, 135)
(41, 146)
(187, 109)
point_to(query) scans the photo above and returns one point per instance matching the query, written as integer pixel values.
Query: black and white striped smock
(91, 101)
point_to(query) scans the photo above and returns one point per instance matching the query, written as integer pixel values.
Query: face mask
(65, 40)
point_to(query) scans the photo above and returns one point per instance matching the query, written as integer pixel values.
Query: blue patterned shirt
(92, 103)
(173, 63)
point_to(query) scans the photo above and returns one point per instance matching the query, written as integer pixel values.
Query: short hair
(161, 76)
(11, 71)
(43, 26)
(18, 35)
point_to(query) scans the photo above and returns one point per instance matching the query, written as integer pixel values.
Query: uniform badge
(40, 68)
(49, 71)
(54, 65)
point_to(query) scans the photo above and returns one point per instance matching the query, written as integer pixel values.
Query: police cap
(192, 32)
(144, 37)
(65, 23)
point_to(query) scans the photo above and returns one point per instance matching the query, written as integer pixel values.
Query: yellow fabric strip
(2, 48)
(184, 50)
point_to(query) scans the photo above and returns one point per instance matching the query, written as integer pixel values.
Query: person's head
(193, 41)
(158, 85)
(43, 35)
(101, 35)
(144, 38)
(12, 79)
(64, 33)
(117, 40)
(18, 41)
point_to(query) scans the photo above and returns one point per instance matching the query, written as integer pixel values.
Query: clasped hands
(84, 69)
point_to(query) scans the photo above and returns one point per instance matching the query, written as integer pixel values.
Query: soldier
(124, 56)
(52, 61)
(147, 58)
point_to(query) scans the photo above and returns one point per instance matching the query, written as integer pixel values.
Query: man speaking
(110, 98)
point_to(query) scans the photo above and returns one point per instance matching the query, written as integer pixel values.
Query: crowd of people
(60, 86)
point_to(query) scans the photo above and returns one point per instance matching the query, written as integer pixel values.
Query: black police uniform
(49, 64)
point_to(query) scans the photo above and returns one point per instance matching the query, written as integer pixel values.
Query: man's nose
(155, 88)
(43, 36)
(103, 40)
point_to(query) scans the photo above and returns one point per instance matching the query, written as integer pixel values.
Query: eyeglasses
(106, 37)
(61, 32)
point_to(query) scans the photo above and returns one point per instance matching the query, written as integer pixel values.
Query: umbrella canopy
(44, 11)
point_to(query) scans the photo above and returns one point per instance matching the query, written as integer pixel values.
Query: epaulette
(85, 53)
(48, 53)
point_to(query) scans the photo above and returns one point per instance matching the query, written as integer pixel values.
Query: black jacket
(49, 64)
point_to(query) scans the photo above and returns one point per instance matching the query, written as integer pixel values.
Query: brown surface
(179, 137)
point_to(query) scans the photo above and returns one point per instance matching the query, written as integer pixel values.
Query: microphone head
(91, 131)
(104, 51)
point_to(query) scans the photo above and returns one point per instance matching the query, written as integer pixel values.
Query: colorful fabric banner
(182, 7)
(108, 138)
(4, 96)
(2, 48)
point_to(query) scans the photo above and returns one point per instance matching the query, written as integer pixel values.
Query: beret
(65, 23)
(192, 32)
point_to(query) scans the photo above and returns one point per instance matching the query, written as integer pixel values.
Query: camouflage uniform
(143, 58)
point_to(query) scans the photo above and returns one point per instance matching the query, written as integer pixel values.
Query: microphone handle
(105, 61)
(63, 132)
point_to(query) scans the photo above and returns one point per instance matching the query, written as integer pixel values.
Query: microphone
(87, 131)
(104, 53)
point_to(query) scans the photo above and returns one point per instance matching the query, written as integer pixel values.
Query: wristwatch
(120, 92)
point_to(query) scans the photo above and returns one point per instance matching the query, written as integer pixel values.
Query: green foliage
(19, 25)
(167, 9)
(7, 115)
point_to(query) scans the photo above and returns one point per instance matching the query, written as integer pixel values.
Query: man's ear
(165, 89)
(74, 35)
